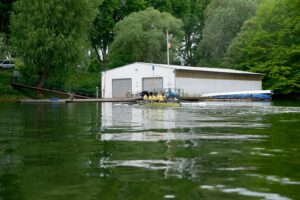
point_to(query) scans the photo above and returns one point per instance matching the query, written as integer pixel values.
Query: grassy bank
(7, 92)
(83, 83)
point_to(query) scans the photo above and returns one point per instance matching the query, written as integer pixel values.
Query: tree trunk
(97, 53)
(42, 80)
(102, 61)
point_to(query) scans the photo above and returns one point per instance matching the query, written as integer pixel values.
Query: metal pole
(97, 92)
(168, 59)
(168, 53)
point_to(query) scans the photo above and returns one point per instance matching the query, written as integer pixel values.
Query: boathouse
(130, 80)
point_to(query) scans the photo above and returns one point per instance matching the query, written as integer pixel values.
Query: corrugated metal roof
(204, 69)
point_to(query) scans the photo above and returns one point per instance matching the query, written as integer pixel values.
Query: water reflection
(135, 117)
(270, 178)
(177, 167)
(245, 192)
(119, 151)
(167, 136)
(124, 115)
(132, 123)
(198, 143)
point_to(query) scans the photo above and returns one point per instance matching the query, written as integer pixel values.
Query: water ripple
(246, 192)
(155, 137)
(270, 178)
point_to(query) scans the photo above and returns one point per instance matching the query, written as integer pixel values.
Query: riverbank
(7, 92)
(74, 83)
(86, 86)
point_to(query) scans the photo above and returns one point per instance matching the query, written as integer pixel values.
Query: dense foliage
(223, 21)
(5, 12)
(7, 92)
(141, 36)
(2, 47)
(102, 32)
(51, 36)
(191, 12)
(270, 44)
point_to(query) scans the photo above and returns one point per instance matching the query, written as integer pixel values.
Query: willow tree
(141, 36)
(51, 36)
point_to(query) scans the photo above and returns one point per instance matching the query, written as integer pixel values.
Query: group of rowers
(154, 97)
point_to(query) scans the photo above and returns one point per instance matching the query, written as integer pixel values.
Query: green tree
(223, 21)
(141, 36)
(193, 20)
(51, 36)
(5, 11)
(191, 12)
(2, 47)
(102, 32)
(269, 43)
(162, 5)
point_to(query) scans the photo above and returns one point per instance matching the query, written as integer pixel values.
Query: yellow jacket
(145, 97)
(154, 98)
(150, 98)
(160, 98)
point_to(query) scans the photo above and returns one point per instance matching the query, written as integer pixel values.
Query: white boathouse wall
(136, 72)
(193, 87)
(194, 81)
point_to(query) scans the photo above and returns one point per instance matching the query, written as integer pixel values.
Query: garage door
(153, 84)
(121, 87)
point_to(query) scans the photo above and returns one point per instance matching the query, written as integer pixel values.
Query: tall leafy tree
(193, 20)
(223, 22)
(141, 36)
(102, 32)
(162, 5)
(191, 12)
(5, 12)
(51, 36)
(2, 47)
(269, 43)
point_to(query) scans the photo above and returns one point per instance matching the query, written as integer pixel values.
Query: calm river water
(122, 151)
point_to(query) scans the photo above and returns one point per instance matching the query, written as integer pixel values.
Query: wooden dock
(125, 100)
(43, 101)
(65, 94)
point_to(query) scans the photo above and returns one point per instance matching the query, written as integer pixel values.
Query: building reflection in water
(137, 122)
(134, 117)
(132, 123)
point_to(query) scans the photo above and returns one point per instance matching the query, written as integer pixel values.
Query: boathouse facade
(130, 80)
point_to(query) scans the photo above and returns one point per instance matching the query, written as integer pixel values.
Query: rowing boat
(162, 104)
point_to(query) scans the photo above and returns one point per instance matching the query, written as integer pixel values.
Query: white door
(121, 87)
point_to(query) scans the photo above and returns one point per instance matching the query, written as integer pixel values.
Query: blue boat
(259, 95)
